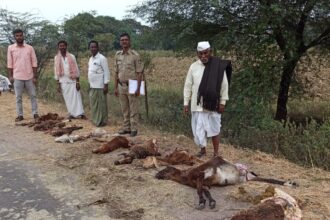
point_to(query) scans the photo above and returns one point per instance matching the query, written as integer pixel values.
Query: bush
(166, 111)
(307, 146)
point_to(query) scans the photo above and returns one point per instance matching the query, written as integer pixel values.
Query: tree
(39, 33)
(106, 41)
(79, 30)
(293, 25)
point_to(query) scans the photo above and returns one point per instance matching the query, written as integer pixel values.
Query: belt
(121, 83)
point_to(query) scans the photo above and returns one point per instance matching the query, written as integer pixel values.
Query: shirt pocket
(119, 65)
(97, 68)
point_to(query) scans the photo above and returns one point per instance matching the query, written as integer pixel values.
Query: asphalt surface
(32, 187)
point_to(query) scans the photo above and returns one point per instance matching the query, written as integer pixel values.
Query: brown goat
(216, 171)
(48, 125)
(49, 116)
(280, 206)
(114, 144)
(67, 130)
(174, 158)
(42, 119)
(149, 148)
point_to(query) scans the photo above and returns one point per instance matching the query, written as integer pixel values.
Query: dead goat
(174, 158)
(279, 206)
(180, 157)
(149, 148)
(66, 130)
(114, 144)
(48, 125)
(49, 116)
(42, 119)
(216, 171)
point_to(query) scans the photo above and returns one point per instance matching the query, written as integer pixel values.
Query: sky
(56, 10)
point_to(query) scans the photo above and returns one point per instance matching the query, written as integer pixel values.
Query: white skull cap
(203, 45)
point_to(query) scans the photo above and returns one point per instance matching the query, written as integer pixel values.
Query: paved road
(32, 187)
(22, 197)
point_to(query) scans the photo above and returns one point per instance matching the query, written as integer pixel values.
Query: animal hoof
(201, 206)
(291, 183)
(212, 204)
(116, 162)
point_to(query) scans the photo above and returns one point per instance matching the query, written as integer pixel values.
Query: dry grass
(134, 193)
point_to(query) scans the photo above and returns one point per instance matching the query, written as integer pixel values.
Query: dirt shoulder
(72, 174)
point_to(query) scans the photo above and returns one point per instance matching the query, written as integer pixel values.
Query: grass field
(165, 74)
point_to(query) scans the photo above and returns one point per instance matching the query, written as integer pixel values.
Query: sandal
(82, 117)
(70, 117)
(19, 118)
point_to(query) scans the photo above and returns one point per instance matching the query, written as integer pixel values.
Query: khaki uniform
(126, 67)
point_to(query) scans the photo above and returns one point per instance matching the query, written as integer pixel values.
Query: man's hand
(116, 92)
(35, 80)
(59, 87)
(221, 109)
(77, 86)
(11, 79)
(186, 110)
(105, 89)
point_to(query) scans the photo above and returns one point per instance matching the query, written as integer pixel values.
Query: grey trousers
(19, 86)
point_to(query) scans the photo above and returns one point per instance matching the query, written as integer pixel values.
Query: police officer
(128, 66)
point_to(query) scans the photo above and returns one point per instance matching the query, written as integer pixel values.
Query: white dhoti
(72, 99)
(204, 125)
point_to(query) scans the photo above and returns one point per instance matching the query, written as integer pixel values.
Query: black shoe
(19, 118)
(36, 116)
(133, 133)
(124, 132)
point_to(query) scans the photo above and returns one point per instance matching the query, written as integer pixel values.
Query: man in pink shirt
(22, 72)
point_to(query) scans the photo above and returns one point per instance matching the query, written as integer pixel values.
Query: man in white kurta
(204, 123)
(67, 76)
(98, 78)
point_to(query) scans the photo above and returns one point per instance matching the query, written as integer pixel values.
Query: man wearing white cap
(206, 87)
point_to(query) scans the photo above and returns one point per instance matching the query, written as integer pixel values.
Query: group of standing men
(206, 86)
(22, 71)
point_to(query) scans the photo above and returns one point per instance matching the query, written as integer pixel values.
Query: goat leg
(212, 202)
(275, 181)
(199, 184)
(126, 160)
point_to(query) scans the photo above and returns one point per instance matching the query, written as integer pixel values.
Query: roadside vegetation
(279, 94)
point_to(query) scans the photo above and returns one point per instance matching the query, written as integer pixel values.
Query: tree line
(267, 38)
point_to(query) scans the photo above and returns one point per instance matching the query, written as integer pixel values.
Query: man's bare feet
(201, 153)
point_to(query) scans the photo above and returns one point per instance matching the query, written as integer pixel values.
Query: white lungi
(204, 125)
(72, 98)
